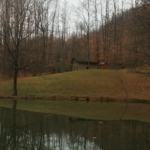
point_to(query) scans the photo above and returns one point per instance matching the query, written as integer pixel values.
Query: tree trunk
(15, 81)
(14, 136)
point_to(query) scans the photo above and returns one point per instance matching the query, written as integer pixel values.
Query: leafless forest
(40, 36)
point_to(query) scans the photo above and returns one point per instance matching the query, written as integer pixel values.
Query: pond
(23, 130)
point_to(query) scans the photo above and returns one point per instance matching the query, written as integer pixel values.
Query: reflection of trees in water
(36, 131)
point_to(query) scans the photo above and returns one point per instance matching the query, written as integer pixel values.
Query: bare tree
(64, 20)
(85, 14)
(105, 29)
(97, 31)
(19, 22)
(52, 31)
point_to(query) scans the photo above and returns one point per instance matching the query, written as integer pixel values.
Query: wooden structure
(82, 64)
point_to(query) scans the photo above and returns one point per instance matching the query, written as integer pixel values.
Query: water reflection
(21, 130)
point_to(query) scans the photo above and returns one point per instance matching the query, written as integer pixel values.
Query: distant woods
(42, 36)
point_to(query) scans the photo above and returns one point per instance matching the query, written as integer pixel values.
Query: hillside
(122, 40)
(120, 84)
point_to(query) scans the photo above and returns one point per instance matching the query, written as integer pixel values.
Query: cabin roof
(82, 60)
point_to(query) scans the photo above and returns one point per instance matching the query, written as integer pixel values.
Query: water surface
(22, 130)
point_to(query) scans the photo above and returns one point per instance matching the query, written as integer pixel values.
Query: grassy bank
(87, 83)
(89, 110)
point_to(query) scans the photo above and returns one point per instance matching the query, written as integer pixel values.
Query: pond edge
(76, 98)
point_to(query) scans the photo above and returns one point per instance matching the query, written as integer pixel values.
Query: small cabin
(82, 64)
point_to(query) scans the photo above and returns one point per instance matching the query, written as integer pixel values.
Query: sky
(127, 5)
(74, 2)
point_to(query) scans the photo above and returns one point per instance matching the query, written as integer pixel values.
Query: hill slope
(89, 83)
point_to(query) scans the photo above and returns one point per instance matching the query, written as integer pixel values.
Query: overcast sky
(127, 2)
(74, 2)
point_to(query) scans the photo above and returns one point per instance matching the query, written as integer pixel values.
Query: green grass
(90, 110)
(85, 83)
